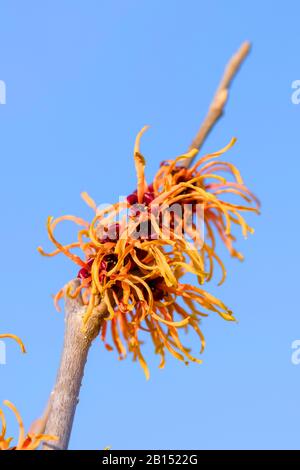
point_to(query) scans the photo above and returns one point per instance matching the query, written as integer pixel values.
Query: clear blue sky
(82, 78)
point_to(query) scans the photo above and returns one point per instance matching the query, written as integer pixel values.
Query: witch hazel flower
(136, 263)
(29, 441)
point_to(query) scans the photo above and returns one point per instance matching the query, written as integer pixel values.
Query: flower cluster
(30, 441)
(33, 439)
(136, 252)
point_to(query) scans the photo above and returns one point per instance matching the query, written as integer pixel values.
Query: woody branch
(65, 395)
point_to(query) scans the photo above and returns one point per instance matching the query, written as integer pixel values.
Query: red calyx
(148, 198)
(108, 262)
(83, 273)
(132, 199)
(156, 288)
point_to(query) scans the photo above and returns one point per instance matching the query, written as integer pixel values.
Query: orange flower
(31, 441)
(134, 257)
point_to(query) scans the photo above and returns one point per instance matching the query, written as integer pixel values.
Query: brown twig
(217, 106)
(65, 395)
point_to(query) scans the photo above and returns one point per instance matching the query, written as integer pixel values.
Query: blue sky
(82, 78)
